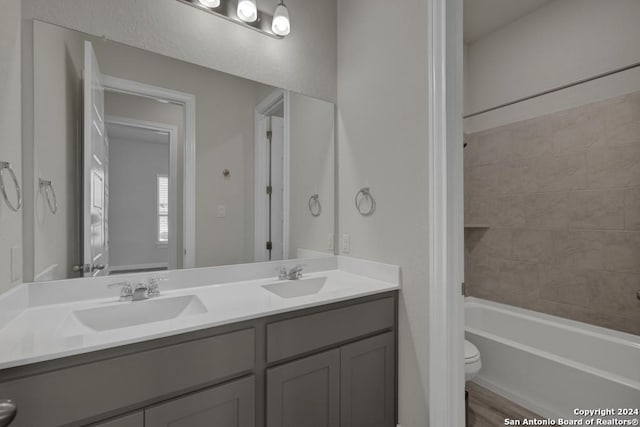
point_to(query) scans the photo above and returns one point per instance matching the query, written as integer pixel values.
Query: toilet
(472, 363)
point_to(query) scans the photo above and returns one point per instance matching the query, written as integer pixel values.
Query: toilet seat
(471, 353)
(472, 363)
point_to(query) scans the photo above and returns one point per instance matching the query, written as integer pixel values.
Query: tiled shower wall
(556, 205)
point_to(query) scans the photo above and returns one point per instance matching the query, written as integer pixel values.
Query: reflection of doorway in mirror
(142, 174)
(272, 178)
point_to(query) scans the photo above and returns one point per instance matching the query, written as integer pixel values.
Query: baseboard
(139, 266)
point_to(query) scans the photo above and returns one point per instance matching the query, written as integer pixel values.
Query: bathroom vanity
(256, 356)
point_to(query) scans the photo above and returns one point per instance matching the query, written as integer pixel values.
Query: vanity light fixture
(210, 3)
(247, 14)
(281, 24)
(247, 10)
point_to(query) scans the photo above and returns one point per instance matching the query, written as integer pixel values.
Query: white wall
(133, 170)
(10, 134)
(562, 42)
(305, 61)
(312, 160)
(382, 144)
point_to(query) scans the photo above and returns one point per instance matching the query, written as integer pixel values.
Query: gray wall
(561, 195)
(562, 42)
(382, 143)
(305, 61)
(10, 133)
(133, 170)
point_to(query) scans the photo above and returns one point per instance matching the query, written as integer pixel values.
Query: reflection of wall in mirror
(312, 172)
(58, 64)
(10, 135)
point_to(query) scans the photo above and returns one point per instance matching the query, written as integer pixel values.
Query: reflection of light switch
(16, 264)
(222, 211)
(346, 244)
(330, 242)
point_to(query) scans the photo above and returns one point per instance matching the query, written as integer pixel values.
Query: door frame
(118, 85)
(446, 213)
(261, 231)
(172, 131)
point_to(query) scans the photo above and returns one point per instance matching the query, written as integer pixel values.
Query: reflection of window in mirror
(163, 209)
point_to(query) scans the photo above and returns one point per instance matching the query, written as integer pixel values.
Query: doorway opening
(272, 178)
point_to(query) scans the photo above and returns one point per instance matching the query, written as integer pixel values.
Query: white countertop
(40, 332)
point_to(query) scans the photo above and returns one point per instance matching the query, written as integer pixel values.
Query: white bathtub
(552, 365)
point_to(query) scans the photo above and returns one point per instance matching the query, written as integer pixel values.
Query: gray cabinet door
(131, 420)
(367, 383)
(227, 405)
(305, 393)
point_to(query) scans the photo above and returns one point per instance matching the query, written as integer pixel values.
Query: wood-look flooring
(487, 409)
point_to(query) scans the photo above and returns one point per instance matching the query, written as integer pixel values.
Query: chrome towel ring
(14, 207)
(365, 194)
(47, 188)
(314, 205)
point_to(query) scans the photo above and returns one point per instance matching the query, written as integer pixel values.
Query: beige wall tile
(532, 138)
(484, 243)
(562, 196)
(614, 166)
(632, 209)
(511, 282)
(577, 129)
(581, 250)
(623, 251)
(478, 209)
(616, 293)
(597, 209)
(622, 110)
(491, 147)
(509, 211)
(481, 180)
(568, 286)
(533, 245)
(560, 173)
(547, 210)
(517, 177)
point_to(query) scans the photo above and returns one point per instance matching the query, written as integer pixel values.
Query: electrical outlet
(222, 211)
(16, 264)
(330, 242)
(346, 243)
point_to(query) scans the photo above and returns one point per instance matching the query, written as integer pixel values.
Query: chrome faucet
(294, 274)
(140, 292)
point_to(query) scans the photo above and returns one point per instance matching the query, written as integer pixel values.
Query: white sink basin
(296, 288)
(139, 312)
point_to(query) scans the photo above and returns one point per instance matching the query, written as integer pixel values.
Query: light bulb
(281, 24)
(210, 3)
(247, 10)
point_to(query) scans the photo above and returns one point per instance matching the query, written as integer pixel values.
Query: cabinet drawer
(132, 420)
(101, 388)
(303, 334)
(227, 405)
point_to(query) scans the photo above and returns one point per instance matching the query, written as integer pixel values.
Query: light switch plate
(222, 211)
(346, 244)
(330, 242)
(16, 264)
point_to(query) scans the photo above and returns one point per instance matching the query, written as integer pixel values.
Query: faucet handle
(282, 272)
(126, 292)
(153, 289)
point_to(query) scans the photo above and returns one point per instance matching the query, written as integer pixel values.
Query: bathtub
(550, 365)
